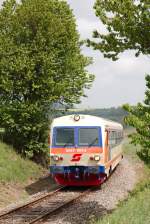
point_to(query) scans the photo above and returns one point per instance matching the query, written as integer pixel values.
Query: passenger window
(112, 139)
(115, 138)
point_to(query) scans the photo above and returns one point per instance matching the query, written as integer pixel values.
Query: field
(136, 208)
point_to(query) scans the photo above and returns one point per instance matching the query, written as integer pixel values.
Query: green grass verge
(14, 169)
(136, 208)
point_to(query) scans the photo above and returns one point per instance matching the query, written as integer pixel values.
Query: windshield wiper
(67, 143)
(93, 141)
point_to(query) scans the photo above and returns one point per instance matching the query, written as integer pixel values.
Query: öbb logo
(76, 157)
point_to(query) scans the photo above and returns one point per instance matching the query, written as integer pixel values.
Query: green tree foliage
(127, 25)
(40, 63)
(139, 117)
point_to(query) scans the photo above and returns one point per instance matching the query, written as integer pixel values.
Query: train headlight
(55, 158)
(97, 158)
(76, 117)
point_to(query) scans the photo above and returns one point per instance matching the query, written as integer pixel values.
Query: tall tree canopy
(40, 63)
(128, 27)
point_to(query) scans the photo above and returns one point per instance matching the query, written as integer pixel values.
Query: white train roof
(85, 120)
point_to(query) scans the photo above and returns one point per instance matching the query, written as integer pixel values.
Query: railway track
(40, 209)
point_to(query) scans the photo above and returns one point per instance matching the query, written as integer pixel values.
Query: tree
(139, 118)
(128, 28)
(40, 63)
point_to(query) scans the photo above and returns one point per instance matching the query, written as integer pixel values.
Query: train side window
(112, 139)
(115, 138)
(119, 137)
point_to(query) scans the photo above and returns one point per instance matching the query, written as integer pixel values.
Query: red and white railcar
(84, 149)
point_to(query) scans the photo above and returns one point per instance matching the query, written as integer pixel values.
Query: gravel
(101, 201)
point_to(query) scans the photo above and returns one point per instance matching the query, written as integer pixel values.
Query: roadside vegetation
(14, 169)
(15, 174)
(135, 209)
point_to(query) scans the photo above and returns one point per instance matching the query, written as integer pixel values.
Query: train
(84, 149)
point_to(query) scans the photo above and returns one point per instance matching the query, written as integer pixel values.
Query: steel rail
(32, 202)
(55, 210)
(52, 210)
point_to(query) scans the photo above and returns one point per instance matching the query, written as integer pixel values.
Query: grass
(136, 208)
(14, 169)
(19, 177)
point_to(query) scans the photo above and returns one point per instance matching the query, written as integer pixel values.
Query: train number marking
(76, 157)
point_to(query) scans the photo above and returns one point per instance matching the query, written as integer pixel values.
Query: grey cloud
(86, 27)
(83, 8)
(116, 82)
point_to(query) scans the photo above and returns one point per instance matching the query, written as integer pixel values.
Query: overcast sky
(117, 82)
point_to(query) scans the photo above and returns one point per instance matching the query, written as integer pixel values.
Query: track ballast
(40, 209)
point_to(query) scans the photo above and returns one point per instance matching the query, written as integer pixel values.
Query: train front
(76, 151)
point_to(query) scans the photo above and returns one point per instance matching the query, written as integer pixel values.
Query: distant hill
(115, 114)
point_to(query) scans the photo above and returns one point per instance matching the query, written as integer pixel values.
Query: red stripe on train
(76, 150)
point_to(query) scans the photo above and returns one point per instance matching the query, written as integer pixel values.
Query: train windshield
(64, 137)
(88, 136)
